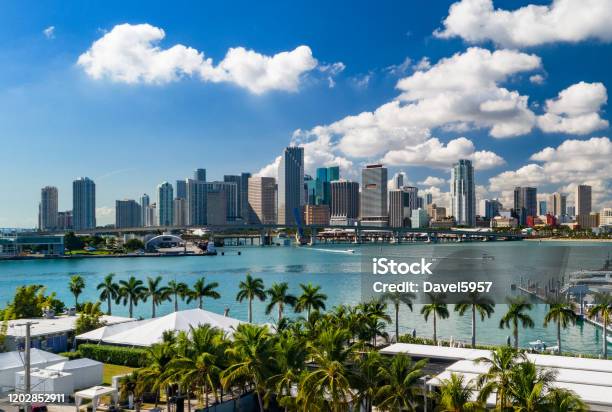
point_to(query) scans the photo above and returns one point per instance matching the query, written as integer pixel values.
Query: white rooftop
(15, 359)
(150, 331)
(58, 324)
(73, 364)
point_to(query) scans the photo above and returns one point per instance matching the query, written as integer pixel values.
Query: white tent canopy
(12, 362)
(150, 331)
(86, 372)
(99, 334)
(94, 393)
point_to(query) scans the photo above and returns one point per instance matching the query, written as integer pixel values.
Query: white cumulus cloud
(571, 21)
(132, 54)
(433, 181)
(49, 32)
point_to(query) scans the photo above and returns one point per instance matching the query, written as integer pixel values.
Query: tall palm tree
(177, 290)
(475, 302)
(496, 380)
(109, 291)
(603, 309)
(76, 286)
(562, 312)
(290, 362)
(529, 386)
(368, 378)
(249, 289)
(402, 388)
(374, 319)
(131, 292)
(437, 308)
(202, 290)
(397, 298)
(515, 314)
(456, 396)
(252, 352)
(154, 376)
(155, 292)
(563, 400)
(278, 296)
(310, 299)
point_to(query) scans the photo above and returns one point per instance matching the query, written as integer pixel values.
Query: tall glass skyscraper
(525, 203)
(83, 204)
(145, 202)
(374, 210)
(48, 212)
(463, 193)
(200, 175)
(165, 204)
(324, 176)
(290, 185)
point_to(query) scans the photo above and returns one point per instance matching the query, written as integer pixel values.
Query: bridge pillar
(358, 235)
(313, 236)
(262, 237)
(398, 236)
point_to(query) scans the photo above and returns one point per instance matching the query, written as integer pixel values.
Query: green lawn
(112, 370)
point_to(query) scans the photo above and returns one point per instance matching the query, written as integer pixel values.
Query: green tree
(397, 299)
(562, 312)
(497, 379)
(155, 292)
(402, 388)
(131, 291)
(515, 314)
(528, 387)
(89, 318)
(109, 291)
(310, 299)
(202, 290)
(76, 286)
(456, 396)
(177, 290)
(374, 320)
(249, 289)
(437, 309)
(73, 242)
(603, 309)
(563, 400)
(252, 354)
(133, 244)
(154, 376)
(290, 363)
(367, 380)
(279, 297)
(475, 303)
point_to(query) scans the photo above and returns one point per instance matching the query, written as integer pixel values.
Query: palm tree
(176, 290)
(76, 286)
(290, 361)
(202, 290)
(109, 291)
(456, 395)
(529, 386)
(603, 308)
(279, 297)
(252, 352)
(562, 313)
(563, 400)
(497, 379)
(154, 376)
(131, 292)
(251, 288)
(515, 314)
(397, 298)
(402, 388)
(374, 319)
(368, 379)
(157, 293)
(476, 303)
(437, 308)
(310, 299)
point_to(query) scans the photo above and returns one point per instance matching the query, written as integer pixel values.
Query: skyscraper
(556, 204)
(525, 203)
(374, 195)
(583, 200)
(463, 193)
(145, 202)
(127, 214)
(428, 199)
(542, 207)
(48, 208)
(83, 204)
(290, 185)
(344, 208)
(325, 175)
(216, 202)
(200, 175)
(230, 191)
(196, 202)
(262, 200)
(165, 205)
(181, 189)
(402, 202)
(489, 208)
(242, 194)
(180, 211)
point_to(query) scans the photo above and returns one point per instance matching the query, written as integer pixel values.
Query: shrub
(117, 355)
(71, 355)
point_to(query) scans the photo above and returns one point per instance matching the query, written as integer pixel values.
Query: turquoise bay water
(339, 275)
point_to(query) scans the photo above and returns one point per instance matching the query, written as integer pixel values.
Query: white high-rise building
(83, 204)
(48, 212)
(463, 193)
(165, 205)
(145, 201)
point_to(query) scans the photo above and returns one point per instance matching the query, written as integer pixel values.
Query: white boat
(350, 251)
(541, 346)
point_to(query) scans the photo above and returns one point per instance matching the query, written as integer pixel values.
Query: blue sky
(60, 119)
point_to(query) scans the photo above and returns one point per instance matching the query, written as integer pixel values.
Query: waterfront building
(181, 189)
(605, 216)
(310, 190)
(262, 200)
(230, 190)
(542, 208)
(503, 221)
(401, 204)
(316, 214)
(64, 220)
(83, 204)
(48, 208)
(557, 204)
(374, 196)
(199, 175)
(242, 194)
(152, 214)
(489, 208)
(217, 203)
(419, 219)
(525, 203)
(24, 244)
(428, 199)
(128, 213)
(196, 202)
(571, 211)
(463, 193)
(290, 185)
(180, 211)
(436, 212)
(583, 200)
(324, 176)
(588, 221)
(165, 207)
(145, 202)
(344, 207)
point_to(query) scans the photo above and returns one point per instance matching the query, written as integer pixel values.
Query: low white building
(13, 362)
(86, 372)
(46, 381)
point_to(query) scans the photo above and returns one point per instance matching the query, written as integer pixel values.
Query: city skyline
(354, 97)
